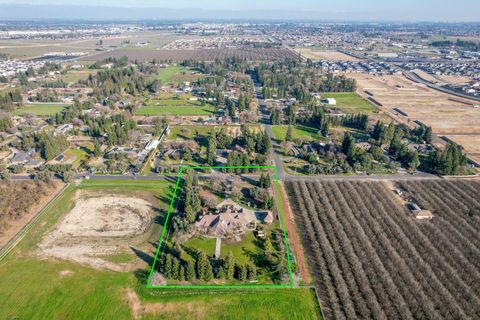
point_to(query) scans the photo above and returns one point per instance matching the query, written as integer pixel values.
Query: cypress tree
(190, 271)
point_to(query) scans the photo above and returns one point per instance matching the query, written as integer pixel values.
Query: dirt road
(293, 237)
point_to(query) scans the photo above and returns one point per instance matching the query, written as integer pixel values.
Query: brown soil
(436, 109)
(293, 238)
(15, 226)
(96, 227)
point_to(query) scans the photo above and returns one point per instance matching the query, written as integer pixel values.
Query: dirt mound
(96, 227)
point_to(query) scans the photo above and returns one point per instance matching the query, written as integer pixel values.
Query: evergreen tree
(289, 134)
(264, 181)
(168, 268)
(251, 272)
(96, 148)
(208, 271)
(190, 271)
(275, 117)
(187, 155)
(212, 150)
(181, 273)
(201, 265)
(229, 266)
(241, 272)
(428, 135)
(175, 269)
(348, 145)
(268, 247)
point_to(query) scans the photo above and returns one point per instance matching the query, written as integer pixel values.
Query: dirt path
(16, 225)
(293, 237)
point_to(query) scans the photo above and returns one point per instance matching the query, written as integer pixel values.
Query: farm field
(373, 260)
(316, 53)
(299, 132)
(351, 102)
(27, 49)
(144, 54)
(41, 110)
(433, 108)
(99, 293)
(421, 103)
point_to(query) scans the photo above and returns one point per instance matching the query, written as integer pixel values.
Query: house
(63, 129)
(330, 101)
(229, 220)
(363, 145)
(22, 157)
(419, 213)
(424, 215)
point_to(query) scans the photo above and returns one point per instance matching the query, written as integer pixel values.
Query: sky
(408, 10)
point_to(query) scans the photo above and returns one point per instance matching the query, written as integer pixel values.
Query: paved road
(388, 177)
(265, 120)
(416, 78)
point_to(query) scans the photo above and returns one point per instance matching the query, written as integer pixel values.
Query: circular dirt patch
(96, 227)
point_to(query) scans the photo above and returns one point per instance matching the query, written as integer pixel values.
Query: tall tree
(289, 134)
(212, 150)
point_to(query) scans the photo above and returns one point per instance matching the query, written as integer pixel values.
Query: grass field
(189, 132)
(299, 132)
(79, 154)
(175, 106)
(204, 244)
(76, 75)
(350, 102)
(40, 109)
(55, 289)
(176, 110)
(166, 75)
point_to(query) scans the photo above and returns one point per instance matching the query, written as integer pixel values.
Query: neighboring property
(330, 101)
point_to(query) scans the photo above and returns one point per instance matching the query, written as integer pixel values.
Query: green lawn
(40, 109)
(350, 102)
(176, 110)
(33, 288)
(165, 75)
(79, 154)
(175, 105)
(74, 76)
(204, 244)
(299, 132)
(189, 132)
(242, 250)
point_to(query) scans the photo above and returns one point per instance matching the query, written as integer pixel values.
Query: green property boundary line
(252, 286)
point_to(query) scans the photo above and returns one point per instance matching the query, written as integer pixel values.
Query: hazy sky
(453, 10)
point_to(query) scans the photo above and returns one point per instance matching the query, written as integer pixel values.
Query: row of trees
(9, 100)
(50, 145)
(204, 269)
